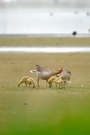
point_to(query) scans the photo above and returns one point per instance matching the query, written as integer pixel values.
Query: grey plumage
(44, 73)
(65, 74)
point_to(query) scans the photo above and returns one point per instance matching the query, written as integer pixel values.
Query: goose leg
(38, 83)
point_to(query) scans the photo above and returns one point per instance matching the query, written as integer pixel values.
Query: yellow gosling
(59, 81)
(27, 80)
(50, 81)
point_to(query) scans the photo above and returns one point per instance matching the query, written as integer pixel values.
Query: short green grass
(44, 111)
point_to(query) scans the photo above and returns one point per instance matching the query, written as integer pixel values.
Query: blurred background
(45, 17)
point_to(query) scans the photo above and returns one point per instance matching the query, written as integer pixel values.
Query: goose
(44, 73)
(59, 81)
(27, 80)
(65, 75)
(51, 80)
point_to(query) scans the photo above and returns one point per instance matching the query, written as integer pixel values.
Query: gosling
(27, 80)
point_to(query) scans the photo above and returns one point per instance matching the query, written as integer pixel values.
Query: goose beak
(31, 71)
(61, 69)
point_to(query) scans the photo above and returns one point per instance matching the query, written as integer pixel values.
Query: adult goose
(44, 73)
(65, 75)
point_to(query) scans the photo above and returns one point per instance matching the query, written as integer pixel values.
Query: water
(44, 49)
(43, 21)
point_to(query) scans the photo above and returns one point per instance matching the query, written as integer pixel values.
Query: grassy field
(44, 111)
(45, 41)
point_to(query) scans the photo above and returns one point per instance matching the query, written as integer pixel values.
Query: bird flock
(59, 78)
